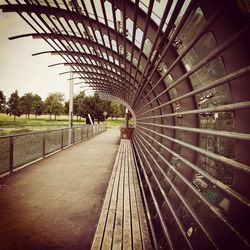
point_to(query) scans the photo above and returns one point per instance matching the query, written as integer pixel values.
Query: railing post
(44, 144)
(11, 154)
(73, 135)
(62, 139)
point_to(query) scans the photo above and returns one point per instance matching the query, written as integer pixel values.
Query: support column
(70, 105)
(126, 118)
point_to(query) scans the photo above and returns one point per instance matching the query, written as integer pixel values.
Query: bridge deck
(55, 202)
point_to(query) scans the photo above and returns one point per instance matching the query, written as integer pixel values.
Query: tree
(2, 102)
(38, 105)
(117, 110)
(13, 105)
(83, 107)
(54, 104)
(93, 105)
(26, 104)
(66, 107)
(121, 112)
(99, 107)
(77, 104)
(114, 110)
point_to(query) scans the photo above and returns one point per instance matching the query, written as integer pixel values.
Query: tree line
(55, 105)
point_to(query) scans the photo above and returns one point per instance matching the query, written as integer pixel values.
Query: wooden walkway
(122, 223)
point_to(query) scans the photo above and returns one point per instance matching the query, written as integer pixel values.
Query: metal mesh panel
(94, 130)
(66, 137)
(27, 148)
(77, 134)
(90, 130)
(4, 154)
(84, 132)
(53, 141)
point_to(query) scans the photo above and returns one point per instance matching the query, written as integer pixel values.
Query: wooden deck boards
(122, 223)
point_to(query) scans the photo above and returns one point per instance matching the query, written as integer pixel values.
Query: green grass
(119, 122)
(6, 120)
(116, 122)
(22, 125)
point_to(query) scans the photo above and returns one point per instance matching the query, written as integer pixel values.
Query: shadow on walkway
(55, 203)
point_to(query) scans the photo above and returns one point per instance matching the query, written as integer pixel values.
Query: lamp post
(105, 113)
(71, 84)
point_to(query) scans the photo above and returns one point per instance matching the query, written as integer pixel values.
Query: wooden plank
(111, 183)
(97, 242)
(127, 237)
(117, 239)
(123, 224)
(109, 231)
(113, 202)
(142, 217)
(136, 232)
(126, 183)
(127, 240)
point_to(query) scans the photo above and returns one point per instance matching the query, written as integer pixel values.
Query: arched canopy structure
(182, 68)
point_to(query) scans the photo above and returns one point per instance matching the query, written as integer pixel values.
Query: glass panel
(53, 141)
(138, 37)
(77, 135)
(223, 121)
(65, 137)
(129, 27)
(4, 154)
(109, 14)
(147, 47)
(27, 148)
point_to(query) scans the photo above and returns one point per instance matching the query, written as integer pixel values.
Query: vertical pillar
(126, 118)
(70, 105)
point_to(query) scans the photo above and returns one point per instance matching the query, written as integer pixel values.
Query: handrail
(20, 150)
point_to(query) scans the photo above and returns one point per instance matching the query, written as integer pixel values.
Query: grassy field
(116, 122)
(22, 125)
(6, 120)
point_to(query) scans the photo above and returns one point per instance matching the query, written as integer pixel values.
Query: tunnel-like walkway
(182, 68)
(55, 203)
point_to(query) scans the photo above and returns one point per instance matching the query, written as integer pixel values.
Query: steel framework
(182, 69)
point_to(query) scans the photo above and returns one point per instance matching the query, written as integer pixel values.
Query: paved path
(55, 203)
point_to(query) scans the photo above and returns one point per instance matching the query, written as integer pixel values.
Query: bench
(122, 223)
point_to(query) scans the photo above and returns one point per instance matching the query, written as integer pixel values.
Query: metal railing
(21, 149)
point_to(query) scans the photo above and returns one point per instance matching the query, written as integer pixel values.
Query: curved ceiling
(182, 68)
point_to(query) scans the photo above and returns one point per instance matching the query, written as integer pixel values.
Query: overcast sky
(21, 71)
